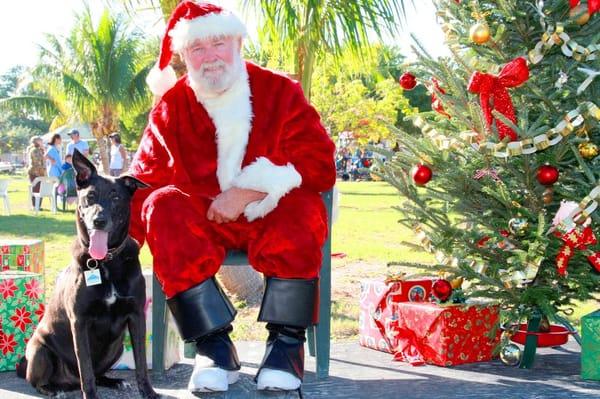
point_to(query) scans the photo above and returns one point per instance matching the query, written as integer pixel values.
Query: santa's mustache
(213, 66)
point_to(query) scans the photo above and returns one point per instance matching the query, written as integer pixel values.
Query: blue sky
(23, 24)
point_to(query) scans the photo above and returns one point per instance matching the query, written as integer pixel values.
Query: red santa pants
(188, 248)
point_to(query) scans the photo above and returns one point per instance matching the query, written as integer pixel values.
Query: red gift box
(376, 298)
(444, 335)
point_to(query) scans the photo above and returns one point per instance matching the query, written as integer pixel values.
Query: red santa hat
(190, 21)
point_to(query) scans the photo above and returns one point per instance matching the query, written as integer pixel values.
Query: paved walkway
(357, 372)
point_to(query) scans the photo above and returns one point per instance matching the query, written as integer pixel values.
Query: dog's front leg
(137, 331)
(81, 342)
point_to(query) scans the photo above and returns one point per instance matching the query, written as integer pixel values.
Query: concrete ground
(357, 372)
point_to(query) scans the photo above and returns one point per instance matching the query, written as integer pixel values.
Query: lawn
(366, 236)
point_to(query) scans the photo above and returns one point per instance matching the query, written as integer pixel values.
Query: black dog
(98, 296)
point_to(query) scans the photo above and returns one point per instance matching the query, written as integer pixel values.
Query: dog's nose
(100, 222)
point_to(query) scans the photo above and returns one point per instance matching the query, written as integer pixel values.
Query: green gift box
(22, 255)
(21, 308)
(590, 346)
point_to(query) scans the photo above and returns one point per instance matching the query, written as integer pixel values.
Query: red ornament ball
(547, 175)
(421, 174)
(408, 81)
(442, 290)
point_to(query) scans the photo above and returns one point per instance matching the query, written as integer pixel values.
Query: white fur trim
(160, 81)
(263, 175)
(186, 31)
(231, 113)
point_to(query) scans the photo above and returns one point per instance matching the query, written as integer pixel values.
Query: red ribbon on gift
(593, 5)
(494, 96)
(574, 240)
(410, 347)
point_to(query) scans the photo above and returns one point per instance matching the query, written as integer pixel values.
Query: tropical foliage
(95, 75)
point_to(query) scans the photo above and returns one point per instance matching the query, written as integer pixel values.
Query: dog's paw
(113, 383)
(58, 395)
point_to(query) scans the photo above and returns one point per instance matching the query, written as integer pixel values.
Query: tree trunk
(243, 281)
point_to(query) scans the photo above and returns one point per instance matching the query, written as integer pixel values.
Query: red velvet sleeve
(152, 164)
(306, 144)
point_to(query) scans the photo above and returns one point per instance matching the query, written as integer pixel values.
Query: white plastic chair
(46, 190)
(4, 196)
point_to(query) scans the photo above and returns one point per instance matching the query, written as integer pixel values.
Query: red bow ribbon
(580, 241)
(436, 104)
(493, 94)
(593, 5)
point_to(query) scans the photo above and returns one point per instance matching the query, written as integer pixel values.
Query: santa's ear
(84, 169)
(132, 183)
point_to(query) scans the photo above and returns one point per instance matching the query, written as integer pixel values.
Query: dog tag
(92, 277)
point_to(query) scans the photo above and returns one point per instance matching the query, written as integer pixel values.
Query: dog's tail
(22, 367)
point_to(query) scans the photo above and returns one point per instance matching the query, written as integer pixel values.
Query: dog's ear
(84, 169)
(132, 183)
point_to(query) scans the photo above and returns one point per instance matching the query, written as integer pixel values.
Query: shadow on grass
(35, 226)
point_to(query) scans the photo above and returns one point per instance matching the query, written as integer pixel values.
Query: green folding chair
(318, 336)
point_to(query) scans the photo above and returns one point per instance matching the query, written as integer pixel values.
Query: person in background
(53, 159)
(68, 163)
(35, 160)
(118, 155)
(76, 142)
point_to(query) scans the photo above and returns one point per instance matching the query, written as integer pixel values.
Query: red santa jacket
(262, 135)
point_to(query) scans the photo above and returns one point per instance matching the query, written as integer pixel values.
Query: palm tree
(305, 29)
(93, 75)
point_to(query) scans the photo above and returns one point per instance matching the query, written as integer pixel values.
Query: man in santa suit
(236, 158)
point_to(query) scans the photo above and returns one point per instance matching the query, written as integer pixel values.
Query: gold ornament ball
(510, 354)
(479, 33)
(580, 13)
(518, 226)
(588, 150)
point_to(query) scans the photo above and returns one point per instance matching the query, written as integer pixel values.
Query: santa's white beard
(216, 77)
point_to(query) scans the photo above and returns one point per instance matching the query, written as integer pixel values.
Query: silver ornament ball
(510, 355)
(518, 226)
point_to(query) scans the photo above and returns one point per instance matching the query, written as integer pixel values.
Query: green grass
(367, 232)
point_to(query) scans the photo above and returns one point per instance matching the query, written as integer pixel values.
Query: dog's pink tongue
(98, 244)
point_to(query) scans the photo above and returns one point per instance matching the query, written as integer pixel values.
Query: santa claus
(236, 158)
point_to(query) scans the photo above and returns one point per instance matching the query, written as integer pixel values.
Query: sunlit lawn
(366, 237)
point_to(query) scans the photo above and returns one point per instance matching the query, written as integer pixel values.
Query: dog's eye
(91, 197)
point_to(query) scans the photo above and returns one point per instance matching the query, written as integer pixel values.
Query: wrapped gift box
(21, 308)
(444, 335)
(22, 255)
(172, 343)
(590, 346)
(376, 298)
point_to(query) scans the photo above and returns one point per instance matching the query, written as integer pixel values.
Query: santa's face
(213, 64)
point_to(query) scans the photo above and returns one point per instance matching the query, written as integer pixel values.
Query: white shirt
(116, 159)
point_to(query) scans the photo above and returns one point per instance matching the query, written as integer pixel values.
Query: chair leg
(37, 205)
(310, 340)
(323, 329)
(53, 204)
(159, 326)
(6, 206)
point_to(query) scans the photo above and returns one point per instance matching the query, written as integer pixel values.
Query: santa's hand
(230, 204)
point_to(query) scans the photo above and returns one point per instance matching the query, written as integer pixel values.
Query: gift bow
(575, 240)
(492, 90)
(593, 5)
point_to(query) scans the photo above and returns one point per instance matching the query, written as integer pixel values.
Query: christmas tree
(502, 183)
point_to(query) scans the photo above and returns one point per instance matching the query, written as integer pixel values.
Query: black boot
(218, 347)
(289, 306)
(201, 310)
(204, 314)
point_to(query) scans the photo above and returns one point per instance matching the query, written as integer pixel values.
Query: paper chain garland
(555, 135)
(570, 48)
(531, 145)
